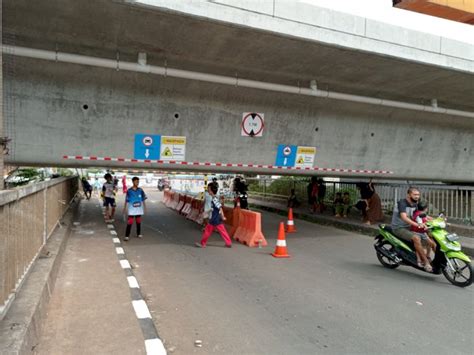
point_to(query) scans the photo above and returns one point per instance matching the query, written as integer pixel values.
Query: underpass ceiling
(101, 28)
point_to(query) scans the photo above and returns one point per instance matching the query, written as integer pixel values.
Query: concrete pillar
(1, 96)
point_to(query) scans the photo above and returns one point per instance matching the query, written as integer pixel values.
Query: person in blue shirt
(135, 207)
(216, 218)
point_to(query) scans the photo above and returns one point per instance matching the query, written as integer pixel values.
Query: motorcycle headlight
(452, 237)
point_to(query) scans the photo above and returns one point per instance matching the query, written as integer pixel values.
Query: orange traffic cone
(290, 224)
(280, 249)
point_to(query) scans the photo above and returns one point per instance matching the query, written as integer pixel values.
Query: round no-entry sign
(147, 141)
(252, 124)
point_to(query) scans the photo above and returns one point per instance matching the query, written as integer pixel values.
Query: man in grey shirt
(402, 221)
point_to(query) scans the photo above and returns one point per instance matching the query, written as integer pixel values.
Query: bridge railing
(28, 216)
(456, 202)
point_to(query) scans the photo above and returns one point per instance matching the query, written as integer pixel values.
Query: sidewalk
(350, 223)
(91, 311)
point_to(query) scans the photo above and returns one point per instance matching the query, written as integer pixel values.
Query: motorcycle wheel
(461, 275)
(386, 262)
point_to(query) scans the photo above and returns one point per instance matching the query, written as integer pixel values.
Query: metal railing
(28, 216)
(456, 202)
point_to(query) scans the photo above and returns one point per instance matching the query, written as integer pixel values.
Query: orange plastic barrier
(193, 212)
(167, 197)
(235, 221)
(229, 215)
(187, 205)
(249, 230)
(174, 201)
(180, 205)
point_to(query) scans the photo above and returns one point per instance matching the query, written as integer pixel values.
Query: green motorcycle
(449, 259)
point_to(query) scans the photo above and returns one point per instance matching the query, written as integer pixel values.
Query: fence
(456, 202)
(28, 217)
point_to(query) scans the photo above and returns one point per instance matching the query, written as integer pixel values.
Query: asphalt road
(331, 297)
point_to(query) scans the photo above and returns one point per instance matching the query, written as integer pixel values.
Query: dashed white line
(125, 264)
(141, 309)
(119, 250)
(113, 232)
(132, 282)
(155, 347)
(110, 226)
(116, 240)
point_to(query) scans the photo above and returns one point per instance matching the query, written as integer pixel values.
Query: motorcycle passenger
(421, 216)
(240, 193)
(402, 220)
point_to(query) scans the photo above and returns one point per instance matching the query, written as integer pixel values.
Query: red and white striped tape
(238, 165)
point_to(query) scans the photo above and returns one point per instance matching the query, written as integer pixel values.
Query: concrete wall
(50, 121)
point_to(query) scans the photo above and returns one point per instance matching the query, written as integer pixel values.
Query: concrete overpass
(373, 98)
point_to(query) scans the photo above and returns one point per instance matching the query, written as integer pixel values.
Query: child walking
(108, 194)
(215, 220)
(135, 200)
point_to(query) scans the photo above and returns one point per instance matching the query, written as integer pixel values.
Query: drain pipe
(142, 67)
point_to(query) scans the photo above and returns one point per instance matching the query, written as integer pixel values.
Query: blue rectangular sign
(286, 155)
(147, 146)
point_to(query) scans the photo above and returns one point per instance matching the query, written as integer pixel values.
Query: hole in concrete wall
(176, 115)
(421, 139)
(372, 134)
(316, 129)
(465, 149)
(85, 107)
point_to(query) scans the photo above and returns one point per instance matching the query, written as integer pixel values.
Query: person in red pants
(216, 219)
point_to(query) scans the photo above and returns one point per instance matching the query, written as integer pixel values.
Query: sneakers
(228, 245)
(126, 239)
(140, 236)
(199, 245)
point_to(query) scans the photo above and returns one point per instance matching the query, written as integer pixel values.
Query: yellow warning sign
(305, 157)
(167, 152)
(173, 148)
(173, 140)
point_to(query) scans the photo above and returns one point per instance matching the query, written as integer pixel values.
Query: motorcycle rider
(402, 220)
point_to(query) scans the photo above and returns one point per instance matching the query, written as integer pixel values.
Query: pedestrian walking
(124, 183)
(86, 186)
(215, 220)
(135, 208)
(109, 189)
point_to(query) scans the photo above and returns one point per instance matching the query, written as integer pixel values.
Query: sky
(383, 11)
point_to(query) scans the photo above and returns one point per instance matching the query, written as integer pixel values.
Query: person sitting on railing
(293, 200)
(338, 204)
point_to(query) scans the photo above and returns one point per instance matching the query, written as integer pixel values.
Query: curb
(21, 328)
(351, 227)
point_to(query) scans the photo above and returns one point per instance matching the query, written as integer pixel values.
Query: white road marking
(119, 250)
(125, 264)
(132, 282)
(110, 226)
(116, 240)
(141, 309)
(155, 347)
(113, 232)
